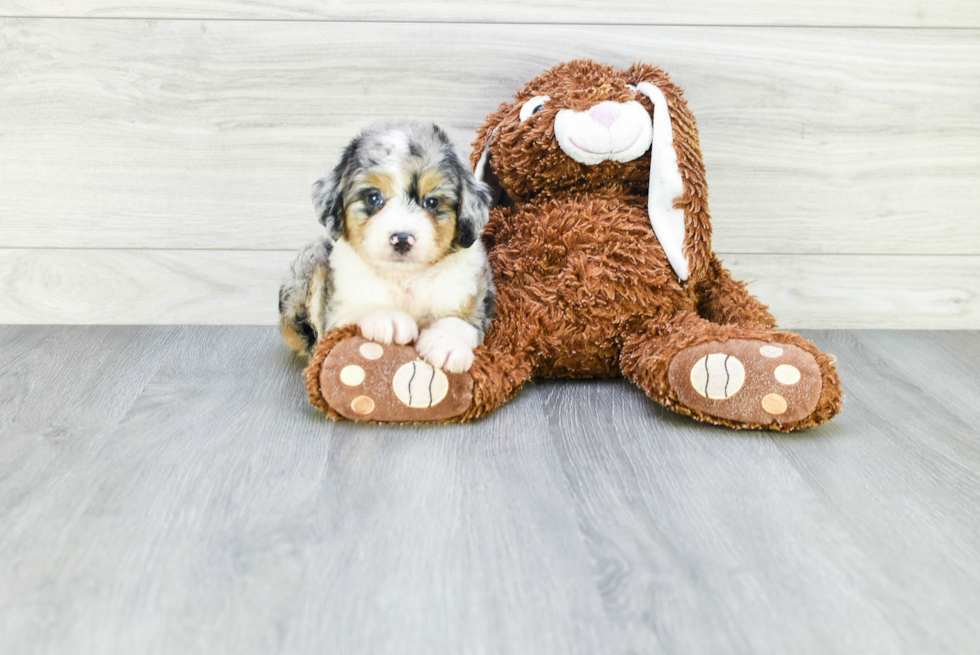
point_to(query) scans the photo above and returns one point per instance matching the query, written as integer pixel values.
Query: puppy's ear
(328, 192)
(474, 208)
(329, 203)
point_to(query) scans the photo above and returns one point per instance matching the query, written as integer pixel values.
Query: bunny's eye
(533, 106)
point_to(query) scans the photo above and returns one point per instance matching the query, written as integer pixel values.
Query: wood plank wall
(156, 157)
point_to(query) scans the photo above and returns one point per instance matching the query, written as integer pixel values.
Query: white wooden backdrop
(156, 158)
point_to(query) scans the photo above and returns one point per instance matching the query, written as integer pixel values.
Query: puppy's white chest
(427, 296)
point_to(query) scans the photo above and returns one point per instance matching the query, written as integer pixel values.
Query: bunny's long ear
(484, 173)
(665, 184)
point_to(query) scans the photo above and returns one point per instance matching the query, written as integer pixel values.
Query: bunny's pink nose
(606, 113)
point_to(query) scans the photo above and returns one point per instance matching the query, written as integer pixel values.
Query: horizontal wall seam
(843, 26)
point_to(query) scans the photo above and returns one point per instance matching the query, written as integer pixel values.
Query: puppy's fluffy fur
(403, 259)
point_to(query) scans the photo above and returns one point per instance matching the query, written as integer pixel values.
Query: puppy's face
(402, 212)
(401, 197)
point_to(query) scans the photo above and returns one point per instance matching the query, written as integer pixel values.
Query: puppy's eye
(375, 199)
(533, 106)
(431, 203)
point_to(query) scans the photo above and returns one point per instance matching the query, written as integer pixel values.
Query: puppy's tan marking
(380, 181)
(290, 335)
(467, 310)
(433, 183)
(357, 213)
(444, 233)
(317, 299)
(429, 183)
(355, 228)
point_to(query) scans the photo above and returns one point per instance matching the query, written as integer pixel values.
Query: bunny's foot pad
(753, 382)
(367, 381)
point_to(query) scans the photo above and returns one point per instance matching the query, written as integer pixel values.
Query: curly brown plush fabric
(584, 288)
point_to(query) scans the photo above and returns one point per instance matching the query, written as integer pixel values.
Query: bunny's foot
(366, 381)
(741, 376)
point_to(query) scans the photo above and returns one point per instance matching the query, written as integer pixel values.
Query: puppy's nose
(402, 242)
(606, 113)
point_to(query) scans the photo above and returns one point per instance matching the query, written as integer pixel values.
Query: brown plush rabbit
(601, 251)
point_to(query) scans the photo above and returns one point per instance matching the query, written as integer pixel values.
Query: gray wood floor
(168, 490)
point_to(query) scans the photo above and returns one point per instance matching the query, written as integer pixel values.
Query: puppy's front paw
(387, 326)
(448, 344)
(444, 351)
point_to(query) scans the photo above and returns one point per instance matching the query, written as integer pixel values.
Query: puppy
(403, 261)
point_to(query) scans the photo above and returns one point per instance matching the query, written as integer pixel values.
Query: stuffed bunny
(600, 244)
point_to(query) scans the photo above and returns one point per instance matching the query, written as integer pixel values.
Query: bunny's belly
(575, 276)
